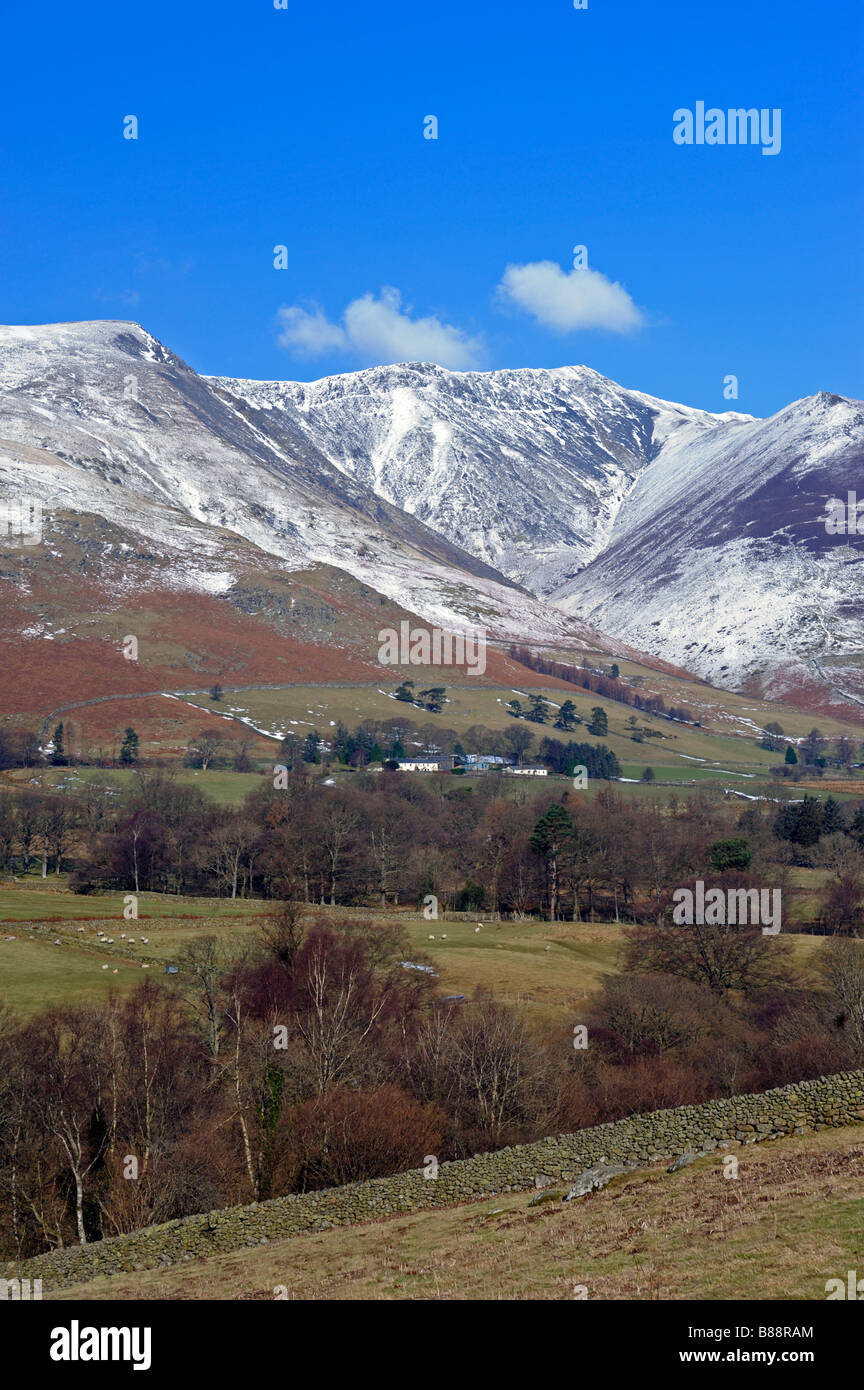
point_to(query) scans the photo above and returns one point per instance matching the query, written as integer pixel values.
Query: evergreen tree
(311, 747)
(58, 756)
(548, 839)
(433, 699)
(791, 755)
(129, 748)
(340, 738)
(599, 725)
(648, 775)
(809, 826)
(567, 716)
(614, 671)
(405, 692)
(730, 854)
(832, 816)
(537, 712)
(514, 707)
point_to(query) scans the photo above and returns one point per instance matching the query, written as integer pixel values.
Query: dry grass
(792, 1219)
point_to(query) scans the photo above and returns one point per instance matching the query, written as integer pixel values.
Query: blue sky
(304, 128)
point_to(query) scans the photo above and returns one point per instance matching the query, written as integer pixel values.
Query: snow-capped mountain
(99, 418)
(525, 469)
(721, 560)
(699, 538)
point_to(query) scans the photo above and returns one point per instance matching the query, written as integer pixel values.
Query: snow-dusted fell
(697, 537)
(525, 469)
(721, 560)
(100, 418)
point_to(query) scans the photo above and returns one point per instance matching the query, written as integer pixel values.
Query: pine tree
(548, 838)
(599, 725)
(791, 755)
(537, 712)
(832, 817)
(567, 716)
(310, 748)
(129, 748)
(58, 757)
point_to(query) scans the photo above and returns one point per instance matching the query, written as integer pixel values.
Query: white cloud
(309, 334)
(565, 303)
(378, 330)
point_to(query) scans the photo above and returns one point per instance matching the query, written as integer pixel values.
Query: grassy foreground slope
(791, 1220)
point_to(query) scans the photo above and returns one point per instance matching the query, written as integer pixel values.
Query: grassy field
(650, 1235)
(545, 966)
(723, 715)
(724, 750)
(510, 959)
(224, 786)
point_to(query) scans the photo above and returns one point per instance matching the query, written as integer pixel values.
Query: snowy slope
(525, 469)
(697, 537)
(720, 558)
(124, 429)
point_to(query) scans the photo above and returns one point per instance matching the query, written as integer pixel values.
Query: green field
(224, 786)
(545, 966)
(725, 750)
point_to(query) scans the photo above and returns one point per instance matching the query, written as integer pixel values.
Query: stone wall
(640, 1139)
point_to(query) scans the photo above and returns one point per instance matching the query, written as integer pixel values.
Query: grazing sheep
(431, 938)
(443, 936)
(104, 967)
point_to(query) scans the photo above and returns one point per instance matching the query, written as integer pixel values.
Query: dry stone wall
(640, 1139)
